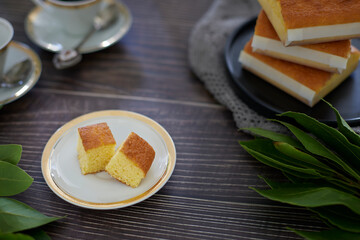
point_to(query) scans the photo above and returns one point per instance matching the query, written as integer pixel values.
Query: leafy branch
(15, 216)
(322, 165)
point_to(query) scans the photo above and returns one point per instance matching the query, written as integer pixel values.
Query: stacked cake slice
(308, 72)
(299, 22)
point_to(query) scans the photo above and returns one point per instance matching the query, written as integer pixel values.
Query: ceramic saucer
(18, 52)
(61, 169)
(48, 34)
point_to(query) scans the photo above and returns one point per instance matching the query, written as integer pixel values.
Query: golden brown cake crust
(310, 77)
(94, 136)
(139, 151)
(310, 13)
(265, 29)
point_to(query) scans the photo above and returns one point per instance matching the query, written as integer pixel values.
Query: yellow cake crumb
(131, 161)
(96, 146)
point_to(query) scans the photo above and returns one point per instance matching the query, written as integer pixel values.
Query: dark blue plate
(268, 100)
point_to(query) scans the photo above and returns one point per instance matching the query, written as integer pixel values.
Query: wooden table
(147, 72)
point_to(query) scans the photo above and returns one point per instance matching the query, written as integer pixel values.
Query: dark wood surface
(147, 72)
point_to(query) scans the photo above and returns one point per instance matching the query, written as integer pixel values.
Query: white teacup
(6, 34)
(75, 16)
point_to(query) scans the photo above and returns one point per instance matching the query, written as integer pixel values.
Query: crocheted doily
(206, 56)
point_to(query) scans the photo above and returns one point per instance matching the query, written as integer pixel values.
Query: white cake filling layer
(300, 34)
(267, 44)
(277, 78)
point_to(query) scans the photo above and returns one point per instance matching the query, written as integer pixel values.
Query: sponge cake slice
(306, 84)
(131, 161)
(299, 22)
(331, 56)
(96, 146)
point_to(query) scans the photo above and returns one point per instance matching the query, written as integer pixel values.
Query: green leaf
(279, 185)
(270, 183)
(344, 128)
(340, 216)
(276, 137)
(304, 196)
(342, 185)
(15, 236)
(16, 216)
(266, 147)
(308, 183)
(38, 234)
(10, 153)
(315, 147)
(328, 182)
(304, 158)
(311, 162)
(330, 136)
(264, 151)
(292, 178)
(333, 234)
(13, 180)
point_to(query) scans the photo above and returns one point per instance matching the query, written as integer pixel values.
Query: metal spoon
(70, 57)
(16, 75)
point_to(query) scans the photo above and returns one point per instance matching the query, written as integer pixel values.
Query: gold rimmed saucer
(18, 52)
(41, 28)
(62, 172)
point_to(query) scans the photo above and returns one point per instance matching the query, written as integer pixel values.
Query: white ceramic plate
(62, 173)
(18, 52)
(49, 35)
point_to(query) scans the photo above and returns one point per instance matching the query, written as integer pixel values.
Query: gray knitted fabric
(206, 57)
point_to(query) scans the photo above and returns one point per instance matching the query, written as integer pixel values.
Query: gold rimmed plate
(48, 34)
(18, 52)
(61, 169)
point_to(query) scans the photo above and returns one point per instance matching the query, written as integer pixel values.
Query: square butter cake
(299, 22)
(330, 56)
(96, 146)
(306, 84)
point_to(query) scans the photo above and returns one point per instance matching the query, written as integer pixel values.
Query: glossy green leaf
(293, 178)
(15, 236)
(279, 185)
(315, 147)
(333, 234)
(16, 216)
(340, 216)
(312, 197)
(302, 157)
(264, 151)
(276, 137)
(329, 182)
(270, 183)
(10, 153)
(13, 180)
(298, 182)
(327, 173)
(344, 128)
(37, 234)
(330, 136)
(332, 192)
(342, 185)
